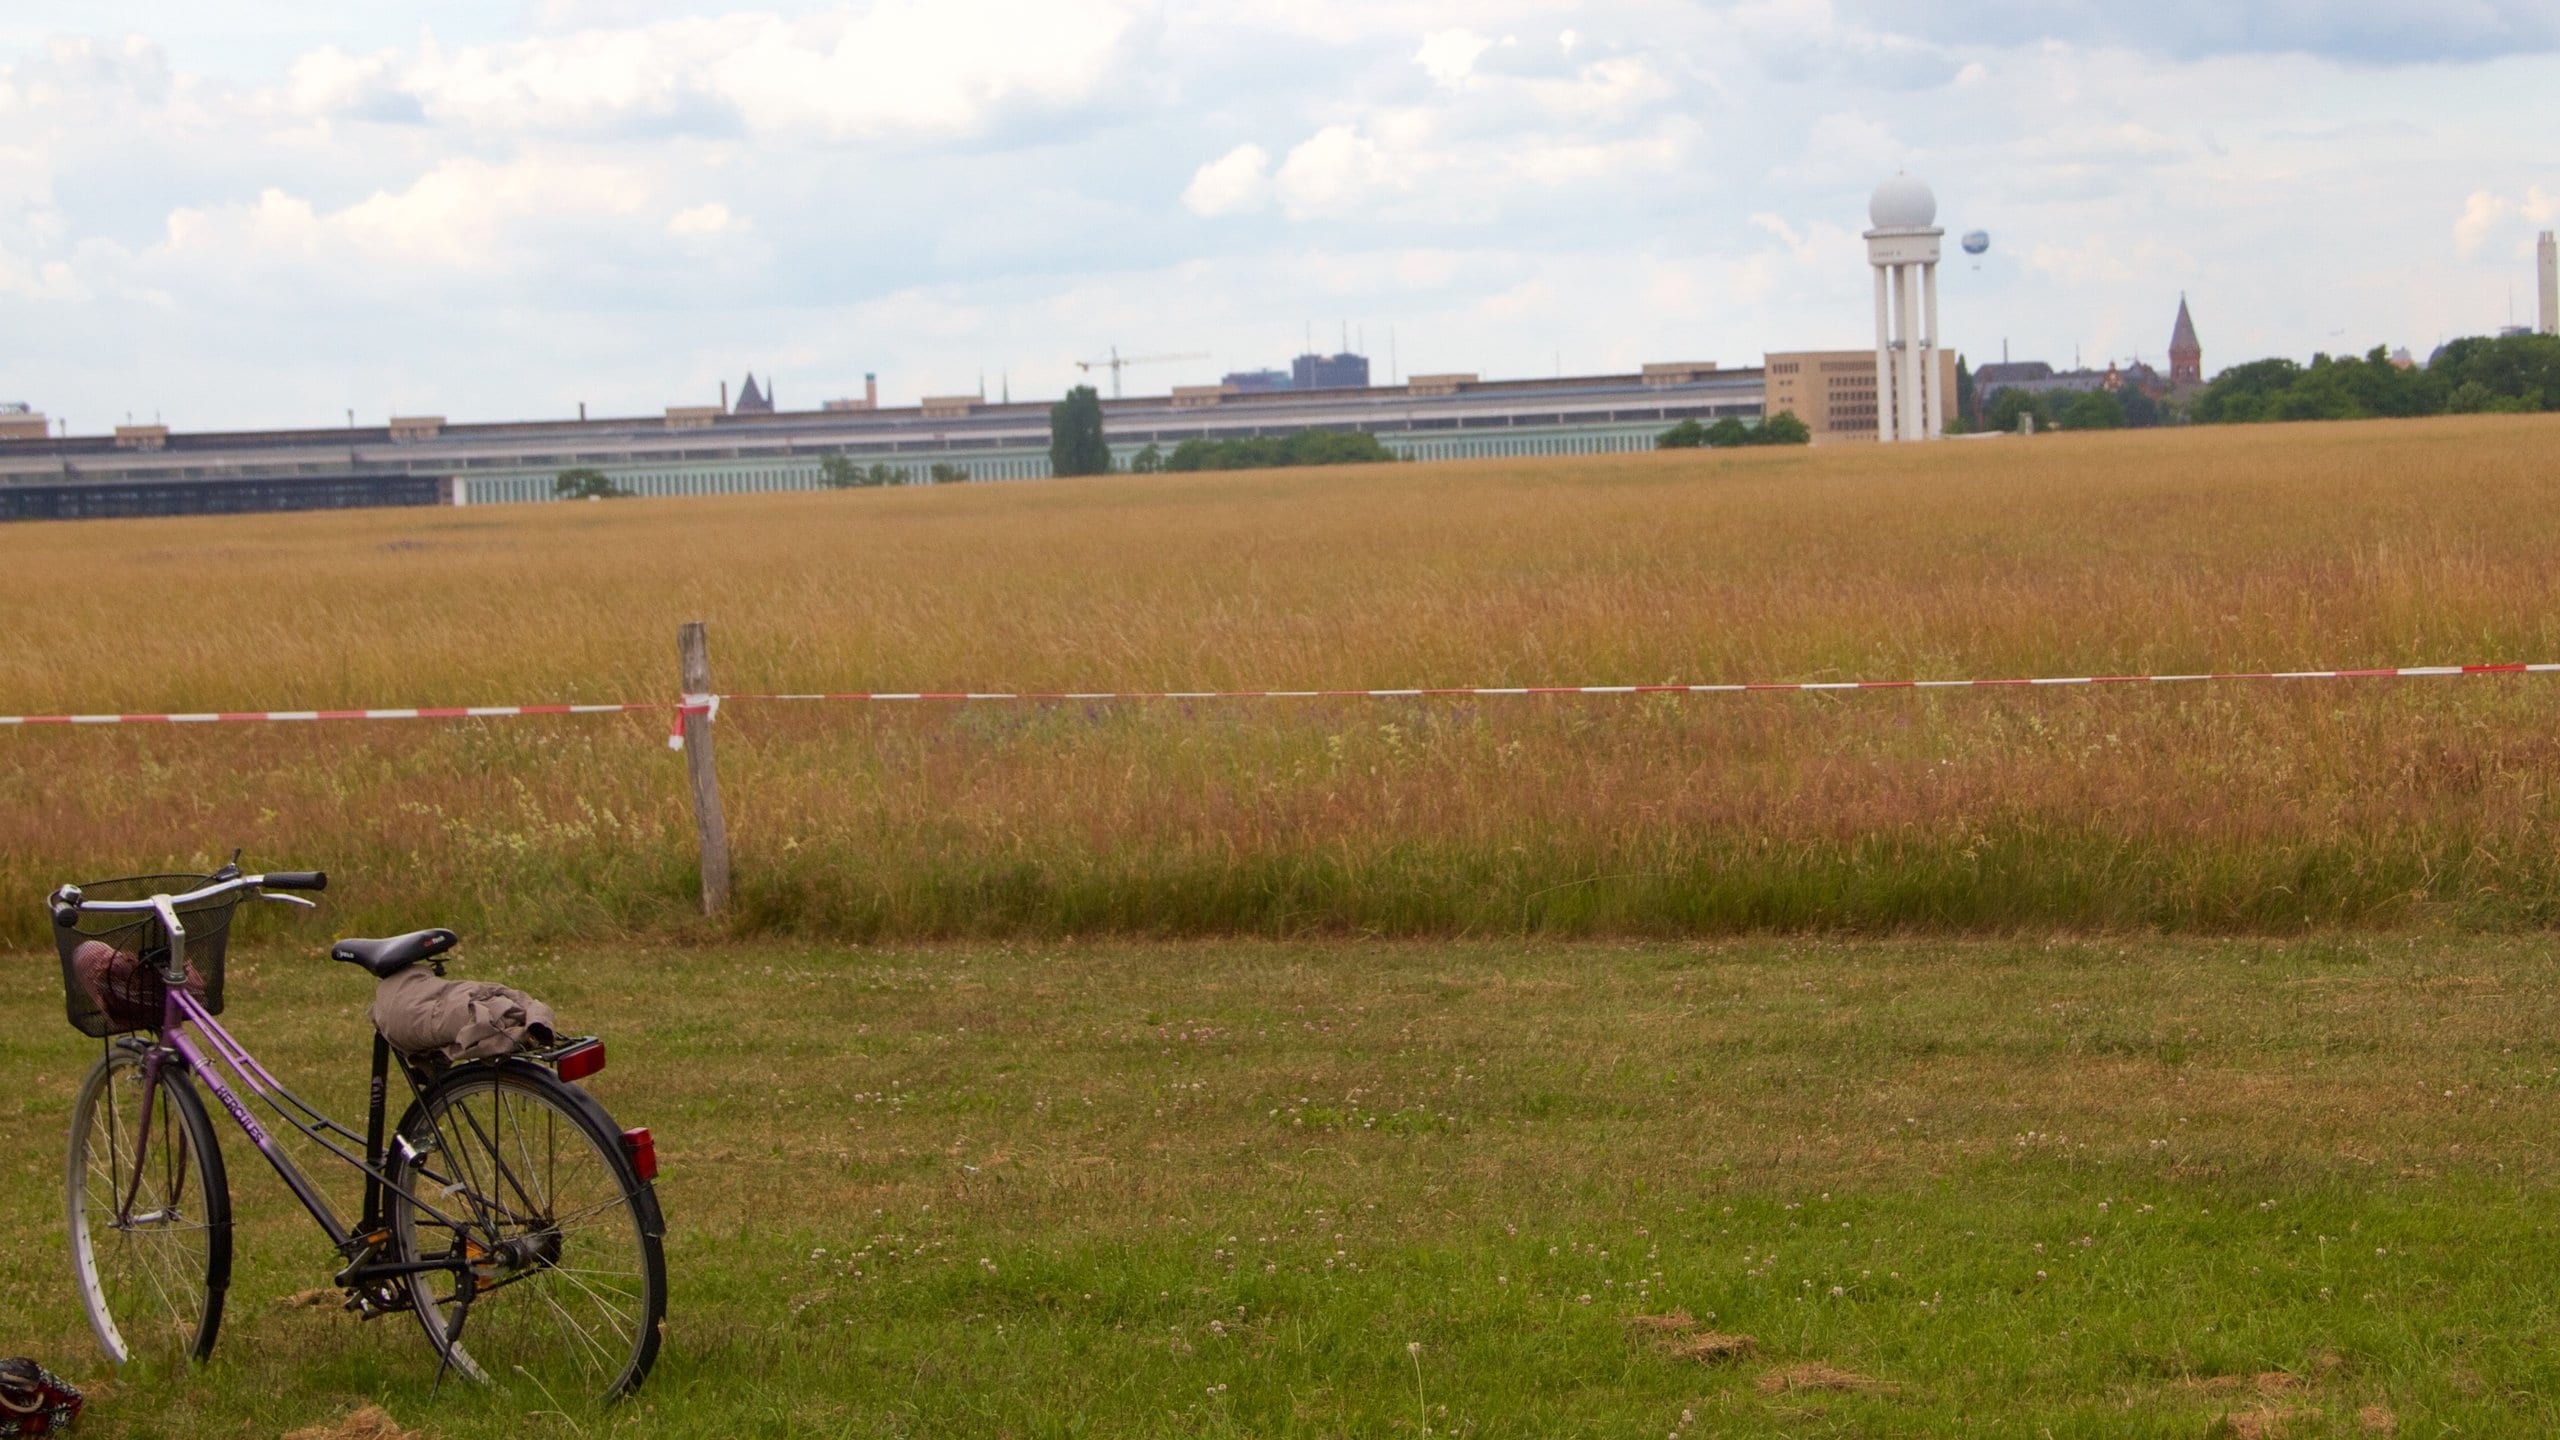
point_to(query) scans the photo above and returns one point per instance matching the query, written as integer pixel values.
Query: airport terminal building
(711, 450)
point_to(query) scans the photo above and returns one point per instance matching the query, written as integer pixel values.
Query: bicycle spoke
(611, 1203)
(601, 1303)
(589, 1340)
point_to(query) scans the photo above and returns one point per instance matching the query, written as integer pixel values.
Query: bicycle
(504, 1210)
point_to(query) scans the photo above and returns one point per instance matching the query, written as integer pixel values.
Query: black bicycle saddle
(386, 958)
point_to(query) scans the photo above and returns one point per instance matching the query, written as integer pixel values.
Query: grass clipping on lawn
(2245, 807)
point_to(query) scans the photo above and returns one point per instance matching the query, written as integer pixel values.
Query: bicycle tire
(153, 1286)
(485, 1146)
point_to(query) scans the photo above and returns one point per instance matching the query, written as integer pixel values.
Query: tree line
(2478, 375)
(835, 472)
(1077, 446)
(1782, 428)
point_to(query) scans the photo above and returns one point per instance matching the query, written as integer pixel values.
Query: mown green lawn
(2107, 1187)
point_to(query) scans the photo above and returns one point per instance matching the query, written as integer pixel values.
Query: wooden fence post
(710, 826)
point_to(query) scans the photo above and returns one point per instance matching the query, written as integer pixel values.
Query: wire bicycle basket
(113, 966)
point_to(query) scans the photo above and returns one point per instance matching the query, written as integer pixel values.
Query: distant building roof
(752, 401)
(1257, 382)
(2037, 378)
(2006, 372)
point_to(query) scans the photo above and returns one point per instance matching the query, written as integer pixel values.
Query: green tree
(1729, 432)
(2520, 368)
(2011, 406)
(1965, 411)
(2243, 393)
(586, 483)
(1149, 461)
(1261, 452)
(1687, 435)
(1334, 447)
(2093, 410)
(838, 472)
(947, 474)
(1076, 446)
(1782, 428)
(2473, 398)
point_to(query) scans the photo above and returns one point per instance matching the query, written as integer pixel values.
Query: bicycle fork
(125, 1217)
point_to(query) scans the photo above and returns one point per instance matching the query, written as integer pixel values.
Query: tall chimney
(870, 391)
(2549, 253)
(724, 397)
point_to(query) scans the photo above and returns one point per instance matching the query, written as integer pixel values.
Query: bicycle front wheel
(546, 1267)
(150, 1212)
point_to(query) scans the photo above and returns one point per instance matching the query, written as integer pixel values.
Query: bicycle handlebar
(69, 905)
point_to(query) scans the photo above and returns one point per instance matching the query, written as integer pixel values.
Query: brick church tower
(2186, 357)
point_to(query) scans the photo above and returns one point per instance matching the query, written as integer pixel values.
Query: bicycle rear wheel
(150, 1213)
(552, 1270)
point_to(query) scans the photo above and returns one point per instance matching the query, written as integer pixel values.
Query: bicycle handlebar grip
(65, 913)
(295, 880)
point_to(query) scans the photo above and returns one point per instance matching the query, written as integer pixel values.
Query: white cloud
(1846, 148)
(924, 67)
(77, 74)
(1338, 172)
(703, 222)
(329, 82)
(1450, 56)
(465, 216)
(1235, 183)
(2107, 262)
(2388, 32)
(54, 280)
(2486, 212)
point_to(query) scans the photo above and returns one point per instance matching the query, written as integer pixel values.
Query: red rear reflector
(642, 1152)
(582, 1062)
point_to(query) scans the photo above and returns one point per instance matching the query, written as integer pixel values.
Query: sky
(253, 214)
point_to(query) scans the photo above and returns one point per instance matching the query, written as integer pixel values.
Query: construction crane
(1119, 362)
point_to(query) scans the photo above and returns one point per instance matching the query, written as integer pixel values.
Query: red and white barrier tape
(424, 712)
(709, 705)
(706, 706)
(2404, 673)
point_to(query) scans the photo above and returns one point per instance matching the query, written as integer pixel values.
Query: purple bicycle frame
(181, 1010)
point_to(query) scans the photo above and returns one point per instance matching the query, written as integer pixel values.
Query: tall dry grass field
(2258, 806)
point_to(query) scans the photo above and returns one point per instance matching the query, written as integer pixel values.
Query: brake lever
(290, 900)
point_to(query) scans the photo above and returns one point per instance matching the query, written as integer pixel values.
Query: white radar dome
(1902, 203)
